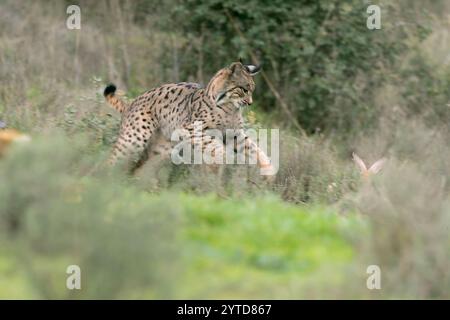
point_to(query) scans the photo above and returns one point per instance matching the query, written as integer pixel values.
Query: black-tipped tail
(109, 90)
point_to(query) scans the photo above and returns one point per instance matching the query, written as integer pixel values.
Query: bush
(408, 212)
(51, 217)
(319, 55)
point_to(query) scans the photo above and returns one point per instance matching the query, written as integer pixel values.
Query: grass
(229, 249)
(168, 243)
(254, 248)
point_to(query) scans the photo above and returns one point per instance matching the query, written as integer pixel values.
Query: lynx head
(233, 85)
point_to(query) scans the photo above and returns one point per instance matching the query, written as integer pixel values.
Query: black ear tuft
(110, 89)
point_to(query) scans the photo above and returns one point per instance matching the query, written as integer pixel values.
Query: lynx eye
(245, 90)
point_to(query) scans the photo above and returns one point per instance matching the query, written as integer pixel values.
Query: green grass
(246, 248)
(255, 247)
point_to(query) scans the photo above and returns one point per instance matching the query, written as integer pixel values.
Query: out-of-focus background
(331, 86)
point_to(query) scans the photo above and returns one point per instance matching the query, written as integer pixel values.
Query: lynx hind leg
(130, 149)
(157, 154)
(159, 147)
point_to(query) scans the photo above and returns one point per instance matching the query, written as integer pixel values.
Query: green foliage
(320, 55)
(102, 128)
(260, 245)
(426, 91)
(51, 218)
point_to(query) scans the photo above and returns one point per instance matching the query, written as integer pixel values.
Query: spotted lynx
(150, 120)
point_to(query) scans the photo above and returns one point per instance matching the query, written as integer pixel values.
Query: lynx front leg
(252, 151)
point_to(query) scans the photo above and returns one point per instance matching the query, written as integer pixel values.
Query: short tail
(113, 100)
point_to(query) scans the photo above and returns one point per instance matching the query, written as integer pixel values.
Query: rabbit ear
(361, 165)
(377, 166)
(252, 69)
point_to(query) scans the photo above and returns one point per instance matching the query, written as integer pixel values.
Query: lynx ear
(236, 67)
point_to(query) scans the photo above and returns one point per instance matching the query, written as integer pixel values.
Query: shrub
(123, 239)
